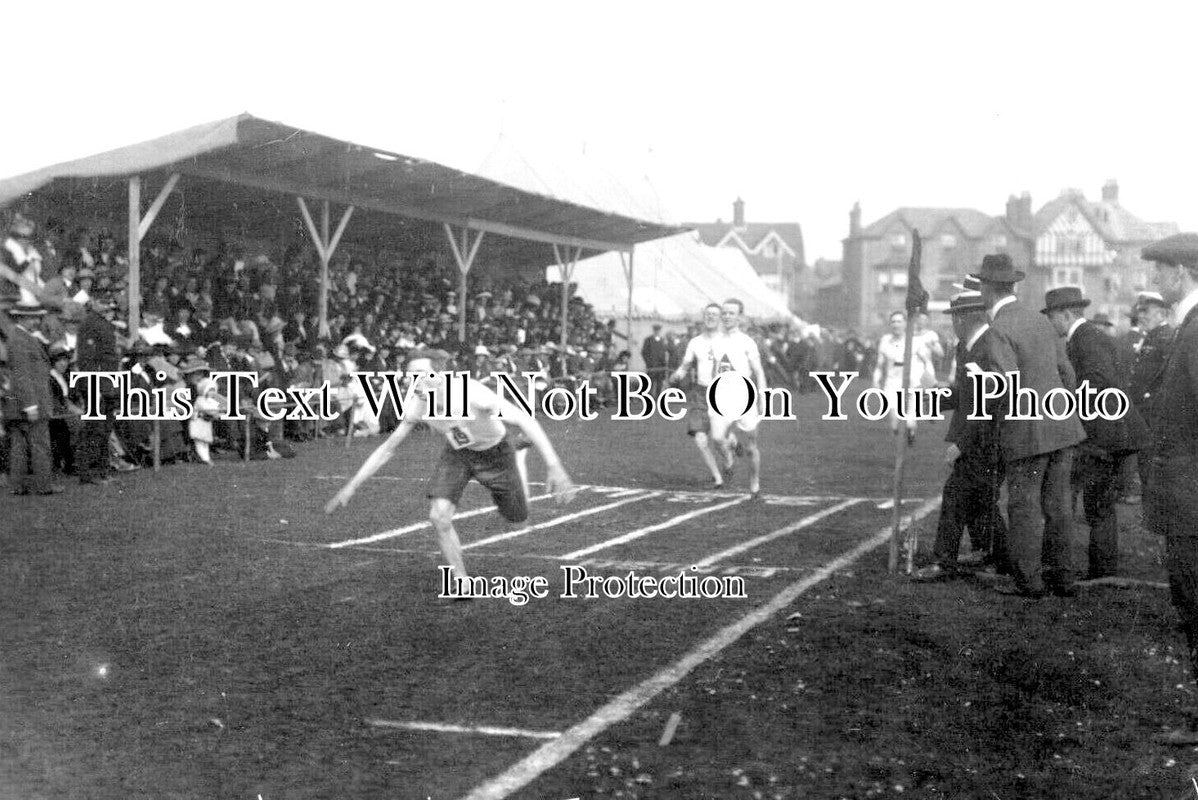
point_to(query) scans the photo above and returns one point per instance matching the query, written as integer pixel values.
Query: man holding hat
(1170, 499)
(477, 448)
(1037, 453)
(970, 495)
(27, 411)
(1109, 443)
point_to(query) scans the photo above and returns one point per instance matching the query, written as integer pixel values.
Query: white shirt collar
(1185, 307)
(1077, 323)
(993, 312)
(976, 335)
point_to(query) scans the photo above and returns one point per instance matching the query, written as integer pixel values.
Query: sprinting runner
(476, 448)
(737, 352)
(700, 356)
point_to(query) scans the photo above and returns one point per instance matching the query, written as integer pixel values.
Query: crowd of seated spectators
(228, 310)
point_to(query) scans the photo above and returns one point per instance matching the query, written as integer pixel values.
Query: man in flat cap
(970, 495)
(1109, 442)
(1170, 499)
(476, 448)
(1037, 453)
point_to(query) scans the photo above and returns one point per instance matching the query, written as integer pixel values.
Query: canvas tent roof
(249, 169)
(673, 278)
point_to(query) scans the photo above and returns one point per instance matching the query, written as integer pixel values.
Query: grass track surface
(190, 635)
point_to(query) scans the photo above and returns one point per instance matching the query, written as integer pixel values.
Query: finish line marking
(378, 537)
(778, 534)
(439, 727)
(626, 704)
(638, 533)
(500, 537)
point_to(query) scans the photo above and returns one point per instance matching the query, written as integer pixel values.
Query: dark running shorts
(697, 420)
(494, 468)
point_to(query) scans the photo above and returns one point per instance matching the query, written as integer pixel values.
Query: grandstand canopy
(246, 173)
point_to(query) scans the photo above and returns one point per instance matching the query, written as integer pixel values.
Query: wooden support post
(157, 444)
(463, 255)
(134, 256)
(159, 201)
(627, 263)
(566, 270)
(325, 247)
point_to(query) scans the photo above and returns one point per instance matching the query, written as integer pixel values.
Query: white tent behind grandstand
(673, 279)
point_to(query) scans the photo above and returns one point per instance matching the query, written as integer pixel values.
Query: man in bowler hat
(970, 495)
(1037, 453)
(1109, 442)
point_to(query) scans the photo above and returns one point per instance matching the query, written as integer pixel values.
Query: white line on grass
(620, 708)
(439, 727)
(378, 537)
(499, 537)
(769, 537)
(638, 533)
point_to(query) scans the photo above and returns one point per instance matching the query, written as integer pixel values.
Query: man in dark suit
(1037, 453)
(1109, 442)
(96, 352)
(1153, 314)
(28, 410)
(655, 352)
(1170, 499)
(970, 495)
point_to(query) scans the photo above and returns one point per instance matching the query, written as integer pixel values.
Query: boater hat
(997, 268)
(1064, 297)
(964, 302)
(1150, 299)
(27, 310)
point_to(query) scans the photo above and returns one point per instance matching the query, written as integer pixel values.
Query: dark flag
(917, 296)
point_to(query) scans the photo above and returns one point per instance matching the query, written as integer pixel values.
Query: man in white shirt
(700, 356)
(476, 448)
(737, 352)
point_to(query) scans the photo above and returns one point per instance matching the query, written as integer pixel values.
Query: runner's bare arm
(688, 358)
(377, 459)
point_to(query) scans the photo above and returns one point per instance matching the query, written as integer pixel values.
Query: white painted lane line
(439, 727)
(500, 537)
(417, 526)
(625, 705)
(639, 532)
(778, 534)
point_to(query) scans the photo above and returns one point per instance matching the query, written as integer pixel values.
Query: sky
(801, 109)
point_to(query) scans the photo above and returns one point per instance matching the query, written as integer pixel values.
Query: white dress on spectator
(207, 408)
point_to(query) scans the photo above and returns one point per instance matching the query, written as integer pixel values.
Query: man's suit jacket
(1095, 359)
(1024, 341)
(1170, 502)
(1149, 368)
(30, 368)
(655, 352)
(1175, 407)
(973, 437)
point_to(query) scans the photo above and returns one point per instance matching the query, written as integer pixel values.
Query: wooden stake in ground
(917, 300)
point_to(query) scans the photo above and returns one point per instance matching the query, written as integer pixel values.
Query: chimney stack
(1110, 191)
(855, 220)
(738, 213)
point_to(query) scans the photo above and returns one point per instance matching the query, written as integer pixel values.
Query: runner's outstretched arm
(377, 459)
